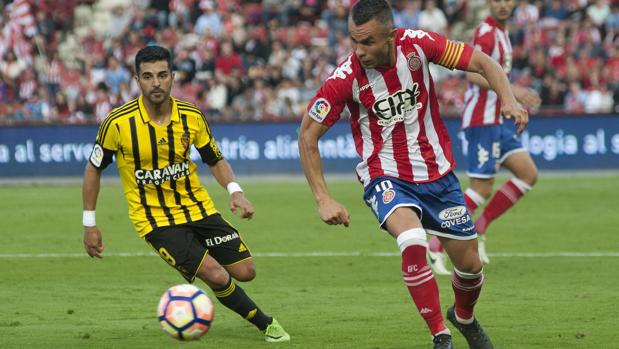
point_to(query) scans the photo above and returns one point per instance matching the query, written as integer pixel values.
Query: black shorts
(185, 246)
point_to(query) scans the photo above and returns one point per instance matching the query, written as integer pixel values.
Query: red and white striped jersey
(394, 113)
(482, 106)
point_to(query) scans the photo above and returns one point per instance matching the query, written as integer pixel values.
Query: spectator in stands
(242, 105)
(336, 17)
(60, 110)
(103, 105)
(553, 91)
(82, 110)
(180, 13)
(115, 75)
(598, 11)
(121, 17)
(209, 21)
(255, 47)
(37, 109)
(161, 8)
(45, 26)
(455, 10)
(525, 13)
(599, 99)
(612, 22)
(185, 66)
(277, 12)
(288, 97)
(306, 10)
(576, 98)
(557, 10)
(432, 18)
(408, 17)
(28, 85)
(11, 68)
(217, 93)
(611, 69)
(207, 68)
(227, 59)
(52, 73)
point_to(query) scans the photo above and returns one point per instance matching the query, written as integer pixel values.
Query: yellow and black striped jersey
(160, 181)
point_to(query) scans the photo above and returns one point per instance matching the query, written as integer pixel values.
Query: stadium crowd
(72, 61)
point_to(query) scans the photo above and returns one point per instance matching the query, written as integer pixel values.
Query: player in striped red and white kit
(406, 156)
(491, 143)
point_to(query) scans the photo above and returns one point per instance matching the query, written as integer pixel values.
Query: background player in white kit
(407, 160)
(491, 143)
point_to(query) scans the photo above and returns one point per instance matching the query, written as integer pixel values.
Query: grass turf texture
(72, 301)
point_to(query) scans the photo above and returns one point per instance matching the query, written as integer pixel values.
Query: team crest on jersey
(414, 62)
(185, 140)
(388, 196)
(96, 157)
(320, 109)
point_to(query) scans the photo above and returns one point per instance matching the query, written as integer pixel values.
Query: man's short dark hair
(366, 10)
(152, 54)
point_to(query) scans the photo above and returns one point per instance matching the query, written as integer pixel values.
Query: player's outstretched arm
(482, 64)
(222, 172)
(331, 211)
(93, 243)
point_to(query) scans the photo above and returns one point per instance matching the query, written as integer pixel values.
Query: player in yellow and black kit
(150, 138)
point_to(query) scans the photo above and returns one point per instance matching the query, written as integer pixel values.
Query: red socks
(466, 290)
(419, 278)
(502, 200)
(473, 200)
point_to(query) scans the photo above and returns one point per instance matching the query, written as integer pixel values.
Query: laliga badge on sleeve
(320, 109)
(96, 157)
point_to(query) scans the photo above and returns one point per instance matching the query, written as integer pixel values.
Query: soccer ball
(185, 312)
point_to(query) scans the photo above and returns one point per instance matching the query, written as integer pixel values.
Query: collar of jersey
(493, 23)
(146, 118)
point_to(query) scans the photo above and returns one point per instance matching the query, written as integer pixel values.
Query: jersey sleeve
(106, 144)
(205, 143)
(332, 97)
(484, 38)
(442, 51)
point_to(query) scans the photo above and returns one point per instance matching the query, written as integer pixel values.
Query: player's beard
(162, 97)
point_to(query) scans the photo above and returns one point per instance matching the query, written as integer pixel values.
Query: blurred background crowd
(71, 61)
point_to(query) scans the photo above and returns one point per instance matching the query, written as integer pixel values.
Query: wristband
(88, 218)
(233, 187)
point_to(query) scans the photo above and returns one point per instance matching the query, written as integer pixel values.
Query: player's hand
(93, 242)
(528, 97)
(238, 201)
(518, 113)
(333, 213)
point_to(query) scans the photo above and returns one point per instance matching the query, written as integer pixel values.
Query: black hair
(152, 54)
(366, 10)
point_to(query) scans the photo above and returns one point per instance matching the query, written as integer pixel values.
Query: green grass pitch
(52, 295)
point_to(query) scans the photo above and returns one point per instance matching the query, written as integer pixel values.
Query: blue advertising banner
(561, 143)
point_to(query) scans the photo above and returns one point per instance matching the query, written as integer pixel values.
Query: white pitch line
(317, 254)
